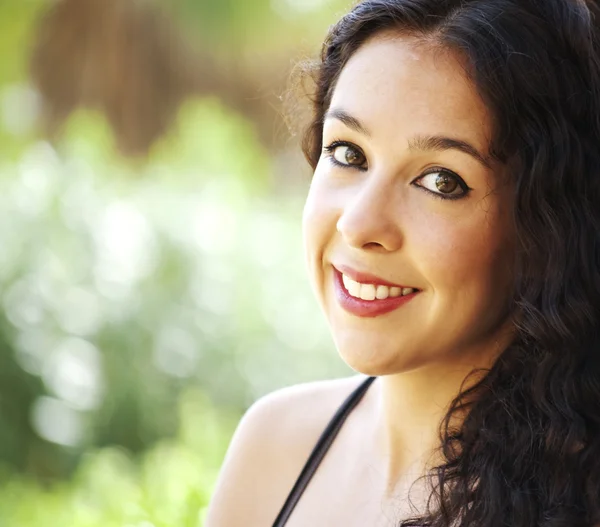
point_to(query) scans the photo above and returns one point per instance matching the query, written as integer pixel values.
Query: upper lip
(366, 278)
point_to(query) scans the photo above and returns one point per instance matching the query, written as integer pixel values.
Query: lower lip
(366, 308)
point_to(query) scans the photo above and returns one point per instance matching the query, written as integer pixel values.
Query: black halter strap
(320, 449)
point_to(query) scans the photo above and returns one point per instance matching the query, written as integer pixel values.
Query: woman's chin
(375, 363)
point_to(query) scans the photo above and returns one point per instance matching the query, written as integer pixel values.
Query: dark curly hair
(527, 449)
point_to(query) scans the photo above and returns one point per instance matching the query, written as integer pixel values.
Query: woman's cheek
(451, 251)
(318, 225)
(314, 216)
(323, 207)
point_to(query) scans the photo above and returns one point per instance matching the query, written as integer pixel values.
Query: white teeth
(371, 292)
(367, 291)
(383, 292)
(395, 292)
(346, 281)
(351, 286)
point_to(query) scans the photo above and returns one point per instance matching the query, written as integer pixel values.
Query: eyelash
(330, 149)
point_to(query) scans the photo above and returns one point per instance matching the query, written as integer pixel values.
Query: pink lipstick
(366, 308)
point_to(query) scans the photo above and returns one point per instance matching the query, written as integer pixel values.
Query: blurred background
(152, 282)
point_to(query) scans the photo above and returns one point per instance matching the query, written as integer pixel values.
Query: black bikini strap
(320, 450)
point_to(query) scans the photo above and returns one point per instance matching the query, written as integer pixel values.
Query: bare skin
(270, 448)
(375, 206)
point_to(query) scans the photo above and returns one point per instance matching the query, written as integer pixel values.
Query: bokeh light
(152, 280)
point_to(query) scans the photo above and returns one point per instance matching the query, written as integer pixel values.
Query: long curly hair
(528, 451)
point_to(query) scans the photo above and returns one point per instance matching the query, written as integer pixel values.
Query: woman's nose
(369, 220)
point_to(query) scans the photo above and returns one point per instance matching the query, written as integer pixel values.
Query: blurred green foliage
(269, 25)
(168, 485)
(145, 304)
(121, 286)
(17, 23)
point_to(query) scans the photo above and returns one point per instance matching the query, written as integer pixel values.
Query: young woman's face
(407, 194)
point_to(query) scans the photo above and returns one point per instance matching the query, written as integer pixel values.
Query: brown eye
(443, 183)
(348, 155)
(446, 183)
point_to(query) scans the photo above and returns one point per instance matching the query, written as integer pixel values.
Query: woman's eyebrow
(348, 120)
(421, 143)
(441, 143)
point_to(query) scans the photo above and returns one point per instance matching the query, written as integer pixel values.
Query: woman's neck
(409, 408)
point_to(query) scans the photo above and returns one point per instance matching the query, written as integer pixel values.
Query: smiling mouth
(372, 292)
(369, 300)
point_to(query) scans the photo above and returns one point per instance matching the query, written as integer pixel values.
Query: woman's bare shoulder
(305, 408)
(269, 449)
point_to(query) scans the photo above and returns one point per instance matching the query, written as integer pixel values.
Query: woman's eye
(347, 155)
(444, 183)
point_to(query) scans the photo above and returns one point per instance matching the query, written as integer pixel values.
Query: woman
(452, 234)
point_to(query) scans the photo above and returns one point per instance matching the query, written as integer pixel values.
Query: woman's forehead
(396, 82)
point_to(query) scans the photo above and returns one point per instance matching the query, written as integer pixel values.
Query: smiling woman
(397, 197)
(452, 240)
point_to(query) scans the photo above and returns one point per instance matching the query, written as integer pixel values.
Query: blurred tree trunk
(121, 57)
(127, 59)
